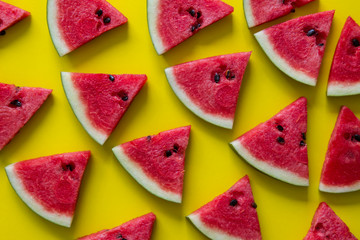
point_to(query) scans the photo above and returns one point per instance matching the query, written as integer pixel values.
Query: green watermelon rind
(338, 89)
(79, 110)
(152, 13)
(60, 45)
(339, 189)
(16, 183)
(276, 172)
(186, 100)
(248, 13)
(211, 233)
(141, 177)
(280, 62)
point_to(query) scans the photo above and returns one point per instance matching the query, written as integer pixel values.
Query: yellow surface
(109, 196)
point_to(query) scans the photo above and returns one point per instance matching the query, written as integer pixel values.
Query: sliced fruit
(9, 15)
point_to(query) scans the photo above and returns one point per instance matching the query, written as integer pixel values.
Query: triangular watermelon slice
(9, 15)
(277, 147)
(327, 225)
(100, 100)
(344, 78)
(50, 185)
(341, 170)
(173, 21)
(73, 23)
(157, 162)
(17, 106)
(210, 87)
(262, 11)
(139, 228)
(297, 46)
(231, 215)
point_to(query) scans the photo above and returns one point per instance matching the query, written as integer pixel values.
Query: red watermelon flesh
(341, 170)
(139, 228)
(9, 15)
(157, 162)
(100, 100)
(277, 147)
(17, 106)
(327, 225)
(344, 78)
(73, 23)
(262, 11)
(231, 215)
(173, 21)
(297, 46)
(210, 87)
(50, 185)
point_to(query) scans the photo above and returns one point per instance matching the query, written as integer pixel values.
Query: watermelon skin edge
(339, 89)
(266, 45)
(281, 174)
(219, 121)
(140, 176)
(36, 207)
(339, 189)
(248, 13)
(152, 12)
(210, 232)
(55, 35)
(80, 113)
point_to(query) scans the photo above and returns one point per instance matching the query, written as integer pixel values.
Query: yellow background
(109, 196)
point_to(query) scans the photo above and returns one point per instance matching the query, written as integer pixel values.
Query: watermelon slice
(327, 225)
(341, 170)
(50, 185)
(73, 23)
(344, 78)
(17, 106)
(297, 46)
(277, 147)
(210, 87)
(100, 100)
(262, 11)
(231, 215)
(136, 229)
(173, 21)
(9, 15)
(157, 162)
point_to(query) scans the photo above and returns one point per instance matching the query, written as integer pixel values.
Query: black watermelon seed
(2, 33)
(111, 77)
(125, 98)
(198, 25)
(175, 148)
(310, 32)
(292, 10)
(16, 103)
(107, 20)
(198, 14)
(192, 12)
(123, 239)
(233, 202)
(320, 44)
(302, 143)
(254, 205)
(355, 42)
(148, 138)
(217, 78)
(280, 128)
(303, 135)
(168, 153)
(119, 236)
(280, 140)
(99, 12)
(357, 137)
(193, 28)
(228, 74)
(68, 167)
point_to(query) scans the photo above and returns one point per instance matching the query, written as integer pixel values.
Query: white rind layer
(338, 89)
(339, 189)
(248, 13)
(140, 176)
(281, 63)
(16, 183)
(182, 95)
(210, 232)
(79, 109)
(153, 13)
(273, 171)
(61, 47)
